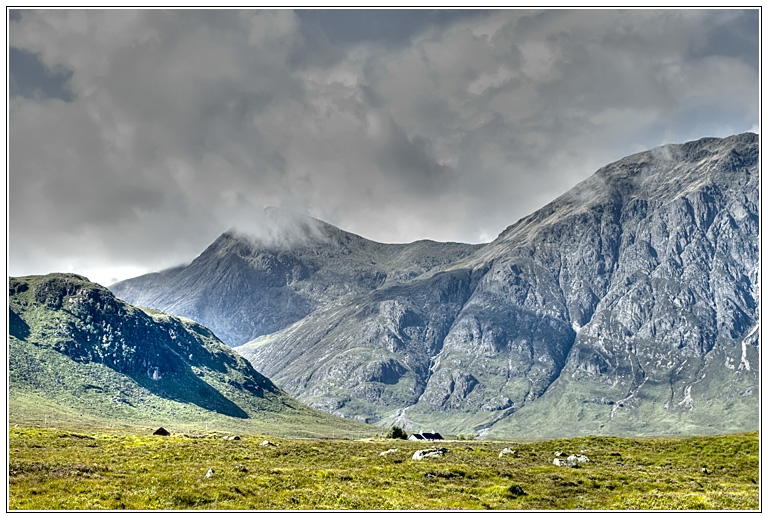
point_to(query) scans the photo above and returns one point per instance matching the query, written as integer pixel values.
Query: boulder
(506, 451)
(430, 453)
(266, 443)
(210, 473)
(390, 451)
(579, 459)
(517, 490)
(573, 461)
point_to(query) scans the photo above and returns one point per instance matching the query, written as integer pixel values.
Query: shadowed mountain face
(628, 305)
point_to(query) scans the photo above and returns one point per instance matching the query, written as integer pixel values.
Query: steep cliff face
(628, 304)
(369, 355)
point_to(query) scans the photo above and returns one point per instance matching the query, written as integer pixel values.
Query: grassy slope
(65, 393)
(47, 386)
(87, 469)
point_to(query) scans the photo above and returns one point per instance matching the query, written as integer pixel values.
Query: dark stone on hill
(517, 490)
(161, 432)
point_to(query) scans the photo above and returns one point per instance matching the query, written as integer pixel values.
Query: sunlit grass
(91, 470)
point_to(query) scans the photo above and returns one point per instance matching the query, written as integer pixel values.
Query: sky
(136, 137)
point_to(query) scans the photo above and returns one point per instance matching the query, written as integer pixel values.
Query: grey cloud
(412, 161)
(328, 34)
(408, 125)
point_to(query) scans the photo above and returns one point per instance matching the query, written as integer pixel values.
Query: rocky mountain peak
(656, 176)
(284, 230)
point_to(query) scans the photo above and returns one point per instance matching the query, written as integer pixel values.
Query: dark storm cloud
(328, 34)
(396, 125)
(732, 34)
(29, 77)
(412, 161)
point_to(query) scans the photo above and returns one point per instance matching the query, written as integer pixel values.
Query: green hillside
(78, 355)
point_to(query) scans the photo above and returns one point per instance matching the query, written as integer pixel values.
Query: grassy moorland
(77, 469)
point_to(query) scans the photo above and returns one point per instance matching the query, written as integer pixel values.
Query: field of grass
(106, 469)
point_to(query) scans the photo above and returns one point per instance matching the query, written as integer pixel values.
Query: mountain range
(629, 305)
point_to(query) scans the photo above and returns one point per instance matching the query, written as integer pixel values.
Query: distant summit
(281, 229)
(253, 282)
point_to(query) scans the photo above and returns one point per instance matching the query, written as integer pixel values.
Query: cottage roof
(425, 436)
